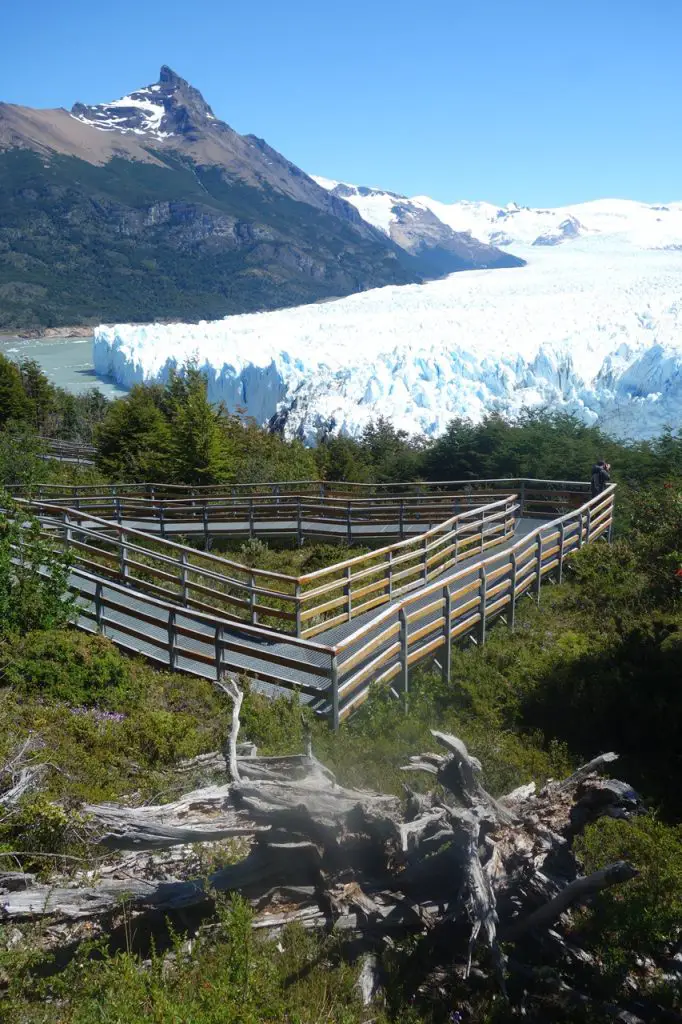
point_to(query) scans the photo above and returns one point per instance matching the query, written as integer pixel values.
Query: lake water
(66, 361)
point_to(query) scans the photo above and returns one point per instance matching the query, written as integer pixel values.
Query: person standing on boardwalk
(600, 477)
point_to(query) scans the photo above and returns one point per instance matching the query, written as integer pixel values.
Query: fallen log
(455, 863)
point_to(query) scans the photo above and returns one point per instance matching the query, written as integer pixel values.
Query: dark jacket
(600, 478)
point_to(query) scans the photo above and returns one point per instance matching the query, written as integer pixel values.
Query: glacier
(591, 326)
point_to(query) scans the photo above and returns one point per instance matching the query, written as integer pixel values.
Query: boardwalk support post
(404, 664)
(511, 615)
(172, 653)
(183, 577)
(538, 569)
(218, 654)
(98, 605)
(482, 606)
(335, 692)
(609, 533)
(298, 609)
(447, 627)
(253, 610)
(123, 558)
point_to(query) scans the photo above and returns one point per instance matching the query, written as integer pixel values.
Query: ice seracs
(592, 327)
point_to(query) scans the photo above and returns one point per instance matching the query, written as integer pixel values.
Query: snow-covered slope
(640, 224)
(412, 225)
(593, 326)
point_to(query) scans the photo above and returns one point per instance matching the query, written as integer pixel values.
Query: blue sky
(540, 103)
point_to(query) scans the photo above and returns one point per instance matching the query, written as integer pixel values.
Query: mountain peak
(169, 77)
(169, 107)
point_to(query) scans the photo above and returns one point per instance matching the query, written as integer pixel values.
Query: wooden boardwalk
(333, 633)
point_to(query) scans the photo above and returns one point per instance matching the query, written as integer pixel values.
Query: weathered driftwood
(576, 891)
(454, 859)
(20, 774)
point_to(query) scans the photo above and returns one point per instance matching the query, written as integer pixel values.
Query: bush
(638, 917)
(66, 666)
(34, 575)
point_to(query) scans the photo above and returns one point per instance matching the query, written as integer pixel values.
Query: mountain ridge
(150, 207)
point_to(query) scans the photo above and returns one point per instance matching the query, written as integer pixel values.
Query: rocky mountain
(150, 207)
(416, 229)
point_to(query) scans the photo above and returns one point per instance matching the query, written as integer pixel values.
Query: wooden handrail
(421, 615)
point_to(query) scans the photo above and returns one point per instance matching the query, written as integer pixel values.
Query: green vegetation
(595, 667)
(81, 243)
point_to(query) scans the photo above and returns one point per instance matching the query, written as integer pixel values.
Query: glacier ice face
(592, 327)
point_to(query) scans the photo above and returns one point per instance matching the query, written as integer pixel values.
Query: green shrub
(635, 918)
(75, 668)
(33, 575)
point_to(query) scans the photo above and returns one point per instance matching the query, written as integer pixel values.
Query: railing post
(580, 529)
(183, 576)
(389, 561)
(299, 525)
(588, 524)
(347, 592)
(511, 615)
(123, 558)
(162, 526)
(68, 536)
(562, 540)
(172, 653)
(609, 532)
(98, 604)
(252, 599)
(538, 568)
(335, 692)
(426, 559)
(522, 498)
(447, 626)
(482, 606)
(204, 514)
(404, 665)
(118, 510)
(402, 519)
(349, 527)
(251, 523)
(218, 654)
(298, 599)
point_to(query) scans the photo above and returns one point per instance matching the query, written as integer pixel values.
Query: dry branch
(454, 863)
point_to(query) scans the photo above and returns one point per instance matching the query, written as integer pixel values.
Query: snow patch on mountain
(592, 327)
(141, 113)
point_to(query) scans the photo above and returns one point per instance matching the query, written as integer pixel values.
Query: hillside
(150, 207)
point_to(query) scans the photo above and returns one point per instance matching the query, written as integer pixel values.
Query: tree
(197, 449)
(39, 391)
(21, 462)
(134, 439)
(14, 404)
(34, 576)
